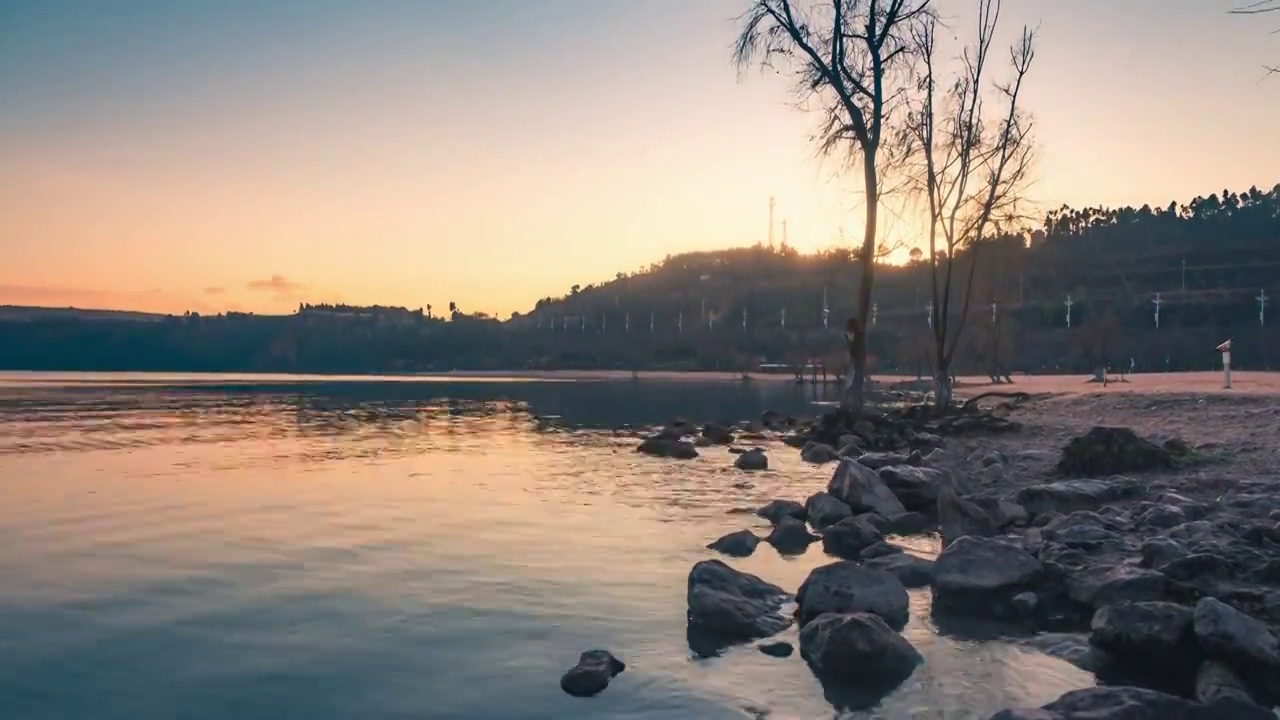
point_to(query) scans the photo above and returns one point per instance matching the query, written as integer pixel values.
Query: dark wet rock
(907, 523)
(1158, 552)
(1197, 568)
(1107, 451)
(1004, 513)
(1068, 496)
(592, 674)
(1262, 533)
(1025, 605)
(702, 442)
(911, 571)
(754, 459)
(927, 441)
(936, 457)
(779, 649)
(1192, 509)
(824, 510)
(849, 537)
(876, 521)
(981, 576)
(1076, 649)
(859, 487)
(1243, 642)
(987, 458)
(959, 517)
(1217, 681)
(879, 549)
(847, 587)
(877, 460)
(660, 446)
(850, 444)
(736, 544)
(775, 510)
(791, 536)
(1099, 586)
(1083, 531)
(728, 606)
(718, 433)
(1155, 637)
(1112, 703)
(916, 488)
(795, 440)
(859, 648)
(1033, 540)
(818, 453)
(1162, 517)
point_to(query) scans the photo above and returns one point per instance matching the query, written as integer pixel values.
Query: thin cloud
(215, 291)
(278, 284)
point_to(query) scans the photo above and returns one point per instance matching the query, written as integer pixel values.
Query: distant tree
(916, 255)
(855, 60)
(428, 309)
(1098, 339)
(973, 168)
(453, 308)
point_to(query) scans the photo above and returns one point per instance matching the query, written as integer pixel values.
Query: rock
(818, 453)
(1112, 703)
(989, 458)
(1098, 587)
(1243, 642)
(791, 536)
(775, 510)
(846, 587)
(779, 649)
(1025, 604)
(754, 459)
(736, 544)
(850, 445)
(1068, 496)
(824, 510)
(958, 517)
(859, 648)
(660, 446)
(702, 442)
(1155, 637)
(911, 571)
(795, 440)
(592, 674)
(877, 460)
(1107, 451)
(1217, 681)
(1197, 568)
(849, 537)
(880, 549)
(981, 576)
(865, 430)
(1003, 512)
(990, 475)
(718, 433)
(1033, 541)
(1162, 517)
(1080, 530)
(927, 441)
(733, 606)
(907, 523)
(937, 457)
(862, 490)
(1158, 552)
(916, 488)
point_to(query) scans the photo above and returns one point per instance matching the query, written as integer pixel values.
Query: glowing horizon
(250, 156)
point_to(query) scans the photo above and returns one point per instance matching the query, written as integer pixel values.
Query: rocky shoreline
(1171, 598)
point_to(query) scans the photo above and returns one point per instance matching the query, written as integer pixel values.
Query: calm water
(236, 547)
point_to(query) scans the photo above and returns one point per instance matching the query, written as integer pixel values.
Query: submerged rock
(718, 434)
(858, 648)
(592, 674)
(736, 544)
(859, 487)
(791, 536)
(981, 576)
(754, 459)
(779, 649)
(847, 587)
(849, 537)
(818, 453)
(667, 447)
(1112, 703)
(731, 606)
(775, 510)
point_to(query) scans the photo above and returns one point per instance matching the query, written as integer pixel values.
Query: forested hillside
(1208, 260)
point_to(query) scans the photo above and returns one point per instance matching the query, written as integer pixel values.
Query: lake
(301, 547)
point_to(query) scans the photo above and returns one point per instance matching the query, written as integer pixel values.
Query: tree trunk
(943, 384)
(855, 331)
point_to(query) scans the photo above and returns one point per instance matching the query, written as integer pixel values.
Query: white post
(1068, 303)
(928, 308)
(875, 307)
(1157, 304)
(1226, 369)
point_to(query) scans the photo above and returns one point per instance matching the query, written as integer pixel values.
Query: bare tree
(974, 170)
(1259, 7)
(853, 59)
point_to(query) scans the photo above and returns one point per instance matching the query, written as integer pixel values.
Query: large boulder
(911, 571)
(663, 445)
(915, 487)
(958, 517)
(1107, 451)
(736, 544)
(859, 487)
(858, 648)
(1068, 496)
(592, 674)
(1099, 585)
(1243, 642)
(791, 536)
(849, 537)
(981, 576)
(753, 459)
(733, 606)
(1112, 703)
(1152, 637)
(775, 510)
(847, 587)
(824, 510)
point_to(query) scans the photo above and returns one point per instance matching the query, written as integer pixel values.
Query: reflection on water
(337, 549)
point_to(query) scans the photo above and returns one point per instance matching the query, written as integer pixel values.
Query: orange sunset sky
(249, 155)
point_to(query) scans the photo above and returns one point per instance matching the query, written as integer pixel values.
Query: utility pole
(1157, 304)
(1068, 303)
(826, 311)
(1262, 306)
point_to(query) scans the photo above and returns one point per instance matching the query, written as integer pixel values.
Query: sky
(172, 155)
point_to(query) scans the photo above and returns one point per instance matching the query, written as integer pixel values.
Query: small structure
(1225, 349)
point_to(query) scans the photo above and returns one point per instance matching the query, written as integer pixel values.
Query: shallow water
(219, 546)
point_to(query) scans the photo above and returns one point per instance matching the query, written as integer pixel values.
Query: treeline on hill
(1206, 261)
